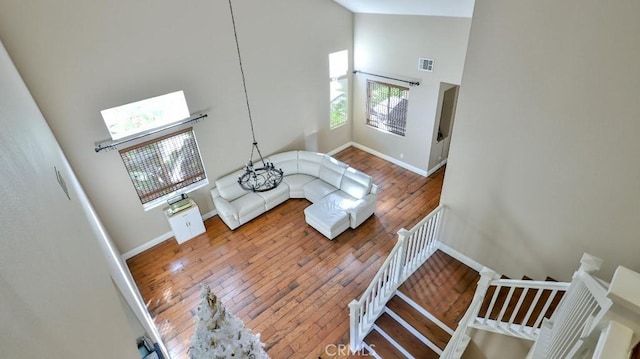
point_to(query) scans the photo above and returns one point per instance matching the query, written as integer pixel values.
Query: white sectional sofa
(341, 196)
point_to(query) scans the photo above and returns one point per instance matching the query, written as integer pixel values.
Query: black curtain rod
(412, 83)
(112, 144)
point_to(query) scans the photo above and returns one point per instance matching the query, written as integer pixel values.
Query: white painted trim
(159, 239)
(209, 215)
(371, 350)
(141, 248)
(387, 158)
(437, 167)
(513, 330)
(460, 257)
(340, 148)
(390, 159)
(424, 312)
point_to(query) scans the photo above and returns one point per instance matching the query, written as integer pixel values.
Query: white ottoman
(326, 219)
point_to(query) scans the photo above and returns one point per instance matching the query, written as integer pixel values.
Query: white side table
(187, 223)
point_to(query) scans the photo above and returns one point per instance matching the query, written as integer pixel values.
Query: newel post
(440, 218)
(486, 276)
(403, 235)
(590, 263)
(355, 342)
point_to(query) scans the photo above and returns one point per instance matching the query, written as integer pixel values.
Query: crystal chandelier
(266, 176)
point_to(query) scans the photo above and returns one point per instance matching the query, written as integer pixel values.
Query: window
(164, 166)
(338, 88)
(387, 107)
(140, 116)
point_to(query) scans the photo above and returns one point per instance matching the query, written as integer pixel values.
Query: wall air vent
(425, 64)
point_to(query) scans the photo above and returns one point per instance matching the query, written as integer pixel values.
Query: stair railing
(584, 305)
(597, 319)
(413, 248)
(524, 319)
(517, 308)
(592, 320)
(461, 336)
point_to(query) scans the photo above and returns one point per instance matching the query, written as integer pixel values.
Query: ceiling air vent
(425, 64)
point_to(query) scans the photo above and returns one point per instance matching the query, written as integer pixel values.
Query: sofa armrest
(224, 208)
(214, 193)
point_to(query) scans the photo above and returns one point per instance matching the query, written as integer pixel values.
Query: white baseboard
(460, 257)
(390, 159)
(209, 215)
(159, 239)
(340, 148)
(387, 158)
(139, 249)
(437, 167)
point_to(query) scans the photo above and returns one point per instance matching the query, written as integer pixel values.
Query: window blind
(387, 107)
(164, 165)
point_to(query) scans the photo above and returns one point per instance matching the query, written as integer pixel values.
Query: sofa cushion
(331, 171)
(295, 183)
(228, 186)
(317, 189)
(309, 163)
(340, 200)
(356, 183)
(286, 161)
(359, 209)
(275, 196)
(248, 204)
(327, 220)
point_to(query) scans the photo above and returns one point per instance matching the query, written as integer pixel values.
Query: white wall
(544, 157)
(80, 57)
(488, 345)
(57, 298)
(392, 44)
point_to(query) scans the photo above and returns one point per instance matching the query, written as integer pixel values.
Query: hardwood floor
(280, 276)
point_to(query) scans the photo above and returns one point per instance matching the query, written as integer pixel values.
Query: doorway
(445, 115)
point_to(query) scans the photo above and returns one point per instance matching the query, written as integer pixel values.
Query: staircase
(410, 252)
(407, 328)
(586, 318)
(403, 331)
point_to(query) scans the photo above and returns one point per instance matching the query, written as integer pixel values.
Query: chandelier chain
(244, 83)
(254, 178)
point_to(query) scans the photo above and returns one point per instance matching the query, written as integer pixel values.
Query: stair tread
(418, 321)
(443, 286)
(382, 347)
(405, 338)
